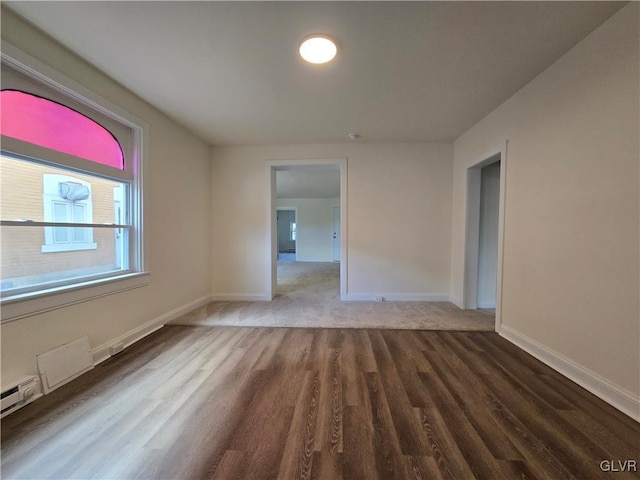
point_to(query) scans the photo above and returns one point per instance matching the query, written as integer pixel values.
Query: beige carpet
(308, 295)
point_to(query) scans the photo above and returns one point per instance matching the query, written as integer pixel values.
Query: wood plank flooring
(232, 403)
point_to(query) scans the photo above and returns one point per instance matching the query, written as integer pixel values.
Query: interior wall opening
(316, 191)
(286, 220)
(488, 235)
(486, 187)
(307, 202)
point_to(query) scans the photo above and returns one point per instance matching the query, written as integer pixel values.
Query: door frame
(295, 213)
(472, 228)
(333, 224)
(272, 234)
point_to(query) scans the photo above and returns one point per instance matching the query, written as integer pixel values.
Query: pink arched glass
(48, 124)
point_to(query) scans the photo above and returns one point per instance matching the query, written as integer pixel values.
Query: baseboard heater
(56, 367)
(16, 396)
(64, 363)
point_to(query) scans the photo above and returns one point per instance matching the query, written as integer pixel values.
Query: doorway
(339, 166)
(488, 235)
(336, 234)
(484, 231)
(287, 227)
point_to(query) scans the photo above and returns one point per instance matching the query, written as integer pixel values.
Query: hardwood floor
(230, 403)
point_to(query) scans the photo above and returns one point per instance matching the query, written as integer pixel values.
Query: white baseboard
(623, 400)
(487, 305)
(396, 297)
(239, 297)
(101, 353)
(456, 301)
(359, 297)
(415, 297)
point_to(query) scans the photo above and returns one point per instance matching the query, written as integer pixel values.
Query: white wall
(178, 227)
(488, 241)
(315, 227)
(571, 274)
(398, 216)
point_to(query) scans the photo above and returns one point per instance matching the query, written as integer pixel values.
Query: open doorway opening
(308, 244)
(486, 182)
(488, 235)
(336, 234)
(287, 227)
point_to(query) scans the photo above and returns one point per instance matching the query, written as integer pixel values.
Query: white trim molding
(456, 301)
(487, 305)
(20, 306)
(397, 297)
(623, 400)
(359, 297)
(415, 297)
(102, 353)
(240, 297)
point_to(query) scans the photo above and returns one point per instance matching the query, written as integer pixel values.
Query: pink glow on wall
(48, 124)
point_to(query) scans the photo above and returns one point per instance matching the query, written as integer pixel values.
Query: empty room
(359, 240)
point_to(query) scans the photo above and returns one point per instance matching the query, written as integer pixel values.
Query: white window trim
(28, 304)
(24, 305)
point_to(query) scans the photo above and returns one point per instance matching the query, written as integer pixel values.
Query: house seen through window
(67, 199)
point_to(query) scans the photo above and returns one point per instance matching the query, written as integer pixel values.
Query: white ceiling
(308, 182)
(405, 71)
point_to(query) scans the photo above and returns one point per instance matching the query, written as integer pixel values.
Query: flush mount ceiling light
(317, 48)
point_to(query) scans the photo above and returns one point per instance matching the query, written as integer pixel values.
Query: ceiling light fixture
(317, 48)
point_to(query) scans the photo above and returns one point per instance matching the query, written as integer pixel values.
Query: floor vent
(64, 363)
(19, 394)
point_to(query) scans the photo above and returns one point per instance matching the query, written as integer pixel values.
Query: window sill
(25, 305)
(68, 247)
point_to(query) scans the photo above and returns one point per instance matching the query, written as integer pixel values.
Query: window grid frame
(50, 197)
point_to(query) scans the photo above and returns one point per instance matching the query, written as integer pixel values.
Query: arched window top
(51, 125)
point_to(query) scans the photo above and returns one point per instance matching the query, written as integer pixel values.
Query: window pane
(22, 187)
(59, 212)
(48, 124)
(60, 235)
(78, 212)
(80, 235)
(23, 265)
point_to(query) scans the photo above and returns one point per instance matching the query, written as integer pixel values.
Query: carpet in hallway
(308, 295)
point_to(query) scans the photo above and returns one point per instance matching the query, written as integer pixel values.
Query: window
(40, 121)
(71, 194)
(67, 199)
(292, 231)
